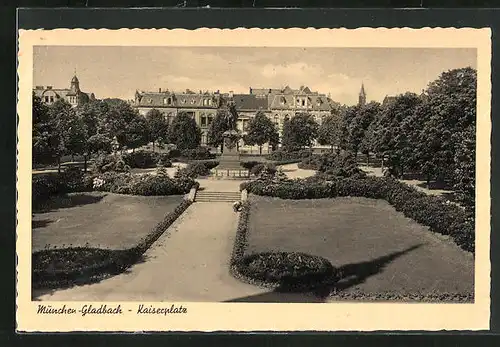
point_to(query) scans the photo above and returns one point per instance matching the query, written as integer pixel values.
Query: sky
(118, 71)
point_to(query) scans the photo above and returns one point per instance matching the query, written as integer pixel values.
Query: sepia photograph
(237, 174)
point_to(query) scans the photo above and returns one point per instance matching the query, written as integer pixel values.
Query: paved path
(190, 264)
(377, 172)
(293, 171)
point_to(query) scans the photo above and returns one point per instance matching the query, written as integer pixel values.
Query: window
(203, 121)
(46, 99)
(210, 120)
(303, 102)
(209, 102)
(167, 101)
(51, 99)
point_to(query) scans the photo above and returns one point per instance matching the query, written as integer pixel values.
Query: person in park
(237, 206)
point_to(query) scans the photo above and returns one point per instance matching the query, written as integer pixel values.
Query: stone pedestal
(229, 163)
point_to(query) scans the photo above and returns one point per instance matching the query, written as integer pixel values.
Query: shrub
(43, 186)
(250, 164)
(294, 156)
(147, 185)
(162, 159)
(312, 162)
(199, 168)
(140, 159)
(287, 270)
(331, 165)
(436, 213)
(197, 153)
(268, 167)
(105, 163)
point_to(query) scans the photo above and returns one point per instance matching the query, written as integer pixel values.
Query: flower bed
(286, 270)
(434, 212)
(68, 266)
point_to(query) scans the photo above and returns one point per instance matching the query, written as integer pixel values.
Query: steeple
(362, 95)
(75, 84)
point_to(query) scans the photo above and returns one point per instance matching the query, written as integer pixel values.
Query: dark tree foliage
(300, 131)
(184, 132)
(157, 127)
(261, 130)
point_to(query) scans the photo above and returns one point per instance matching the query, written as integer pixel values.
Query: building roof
(249, 102)
(187, 100)
(62, 93)
(287, 101)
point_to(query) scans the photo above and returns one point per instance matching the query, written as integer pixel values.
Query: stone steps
(203, 196)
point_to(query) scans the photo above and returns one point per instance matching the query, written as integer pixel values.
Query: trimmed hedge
(439, 215)
(288, 271)
(146, 185)
(68, 266)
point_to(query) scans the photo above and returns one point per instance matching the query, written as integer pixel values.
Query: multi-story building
(201, 106)
(277, 104)
(285, 103)
(73, 95)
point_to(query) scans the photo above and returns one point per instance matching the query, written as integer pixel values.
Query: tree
(452, 109)
(329, 131)
(157, 126)
(364, 116)
(300, 131)
(392, 140)
(66, 128)
(184, 132)
(465, 168)
(219, 125)
(136, 132)
(261, 130)
(45, 137)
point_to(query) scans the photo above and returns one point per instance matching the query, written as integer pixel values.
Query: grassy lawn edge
(82, 265)
(238, 255)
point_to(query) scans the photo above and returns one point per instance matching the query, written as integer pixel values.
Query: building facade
(277, 104)
(201, 106)
(73, 95)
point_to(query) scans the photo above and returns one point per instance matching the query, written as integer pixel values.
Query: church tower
(75, 84)
(362, 95)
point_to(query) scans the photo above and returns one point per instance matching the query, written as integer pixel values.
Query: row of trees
(431, 134)
(103, 126)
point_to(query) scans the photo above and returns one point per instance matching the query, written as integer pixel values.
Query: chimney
(49, 87)
(231, 94)
(159, 90)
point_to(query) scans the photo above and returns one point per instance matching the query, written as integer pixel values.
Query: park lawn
(377, 249)
(102, 220)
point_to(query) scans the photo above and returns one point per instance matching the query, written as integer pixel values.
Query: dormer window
(192, 101)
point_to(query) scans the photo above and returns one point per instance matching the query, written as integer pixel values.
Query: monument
(229, 163)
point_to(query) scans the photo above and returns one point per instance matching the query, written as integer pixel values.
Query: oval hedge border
(95, 263)
(289, 271)
(239, 262)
